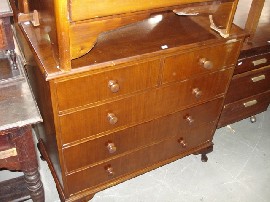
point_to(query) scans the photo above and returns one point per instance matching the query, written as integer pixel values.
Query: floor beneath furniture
(237, 171)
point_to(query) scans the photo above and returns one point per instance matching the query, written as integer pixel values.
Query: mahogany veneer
(147, 94)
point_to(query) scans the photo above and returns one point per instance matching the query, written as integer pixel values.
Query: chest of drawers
(248, 93)
(144, 96)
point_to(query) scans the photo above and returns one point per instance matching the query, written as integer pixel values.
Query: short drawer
(113, 170)
(186, 65)
(244, 108)
(142, 107)
(248, 84)
(105, 85)
(251, 63)
(129, 139)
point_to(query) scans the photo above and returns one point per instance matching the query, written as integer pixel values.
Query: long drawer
(105, 85)
(248, 84)
(244, 108)
(182, 66)
(85, 9)
(141, 159)
(143, 107)
(253, 62)
(117, 143)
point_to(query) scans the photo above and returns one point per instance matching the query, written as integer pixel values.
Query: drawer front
(111, 170)
(183, 66)
(139, 136)
(251, 63)
(248, 84)
(85, 9)
(142, 107)
(244, 108)
(101, 86)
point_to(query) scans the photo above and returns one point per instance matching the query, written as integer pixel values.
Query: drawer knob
(207, 64)
(197, 92)
(109, 170)
(111, 147)
(113, 86)
(112, 118)
(182, 142)
(189, 119)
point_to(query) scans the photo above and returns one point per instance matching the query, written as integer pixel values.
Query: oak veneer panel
(85, 9)
(141, 135)
(187, 65)
(236, 111)
(83, 90)
(142, 107)
(134, 161)
(242, 85)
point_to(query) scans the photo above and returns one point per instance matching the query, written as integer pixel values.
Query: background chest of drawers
(248, 93)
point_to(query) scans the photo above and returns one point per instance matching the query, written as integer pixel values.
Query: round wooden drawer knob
(109, 171)
(182, 142)
(113, 86)
(111, 147)
(207, 64)
(189, 119)
(197, 92)
(112, 118)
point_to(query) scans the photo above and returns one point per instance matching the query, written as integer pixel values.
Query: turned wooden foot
(34, 185)
(253, 119)
(204, 153)
(204, 158)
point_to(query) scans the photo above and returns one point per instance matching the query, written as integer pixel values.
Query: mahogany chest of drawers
(249, 91)
(147, 94)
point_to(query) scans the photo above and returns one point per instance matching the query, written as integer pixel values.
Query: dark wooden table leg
(29, 165)
(13, 58)
(34, 185)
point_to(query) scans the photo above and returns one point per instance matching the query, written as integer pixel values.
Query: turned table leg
(12, 55)
(29, 165)
(34, 185)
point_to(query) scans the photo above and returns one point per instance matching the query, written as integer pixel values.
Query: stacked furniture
(18, 112)
(249, 91)
(146, 94)
(6, 35)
